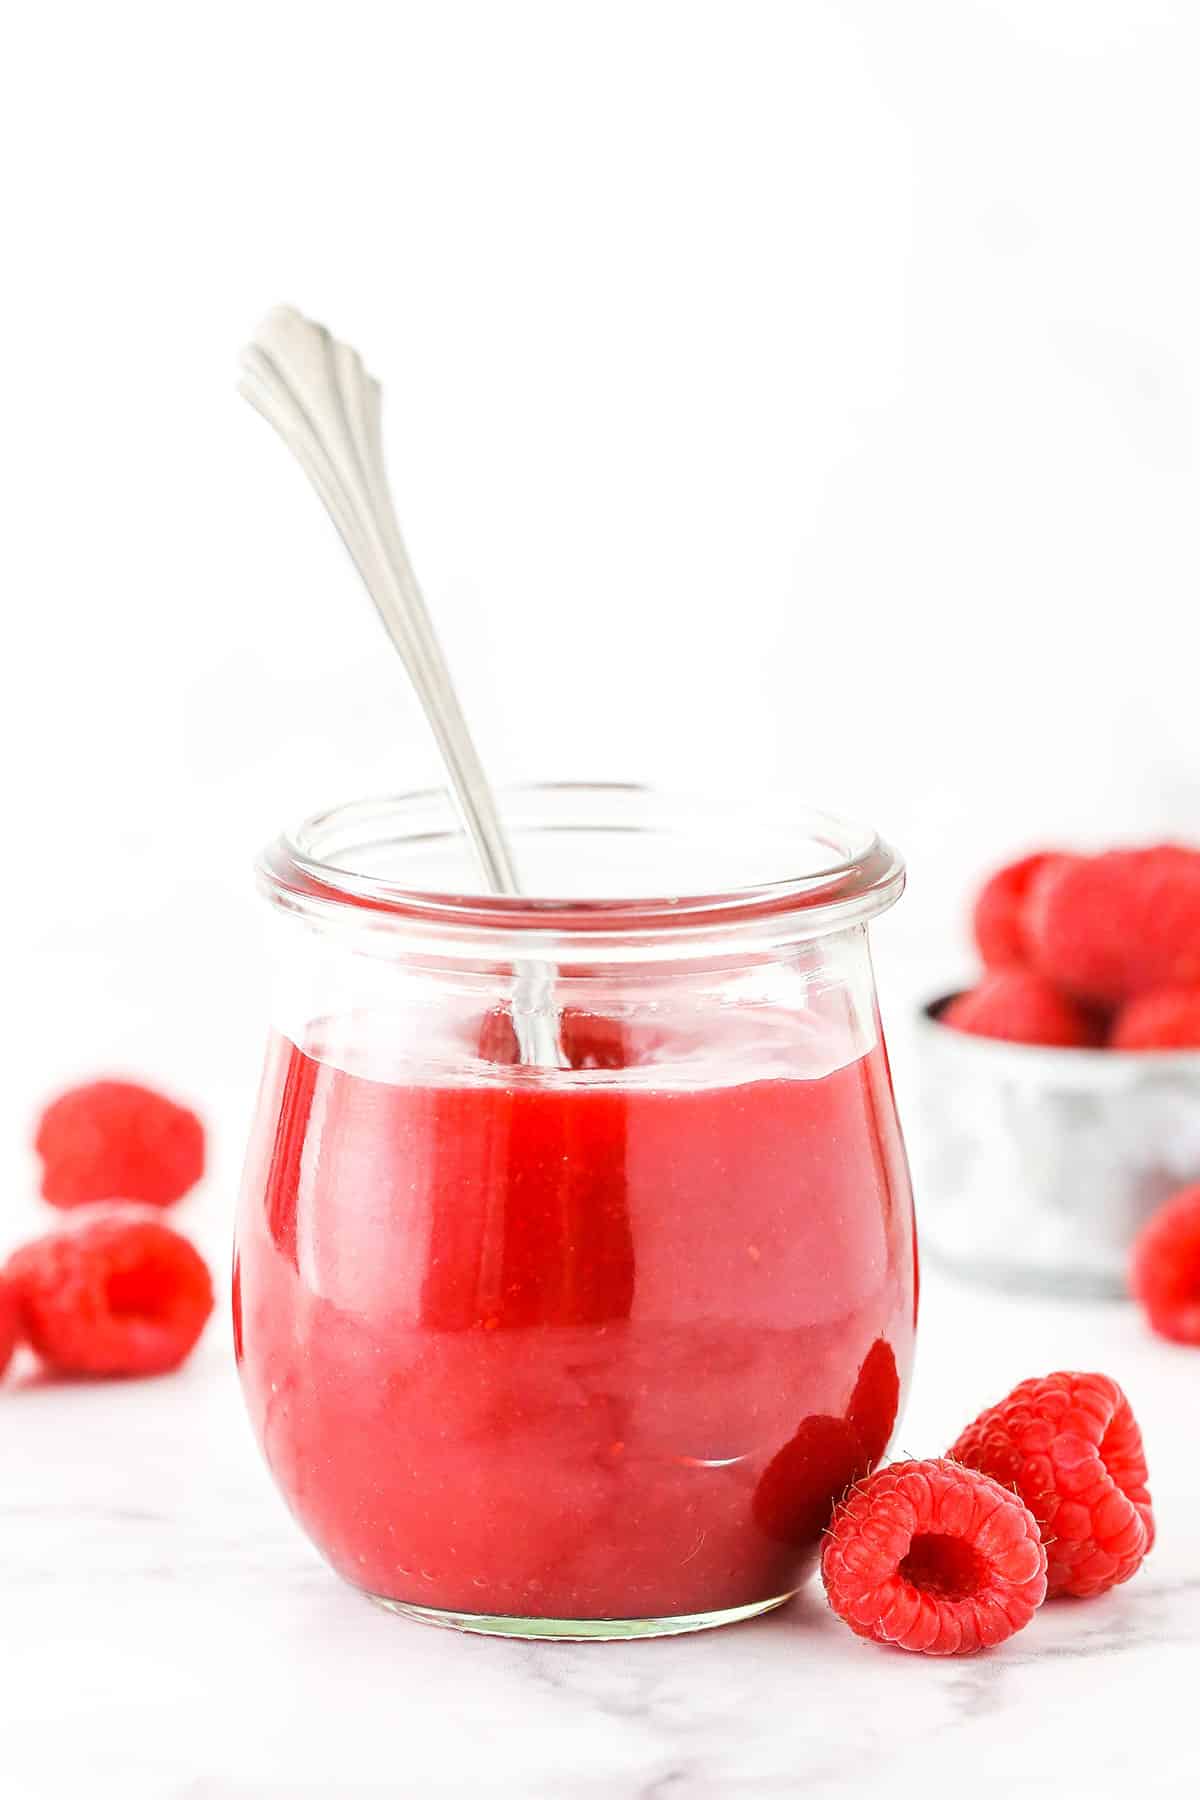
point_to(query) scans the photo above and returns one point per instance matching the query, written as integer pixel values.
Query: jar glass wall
(586, 1351)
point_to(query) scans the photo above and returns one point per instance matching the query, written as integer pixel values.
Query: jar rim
(856, 874)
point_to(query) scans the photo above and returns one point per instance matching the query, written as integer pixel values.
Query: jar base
(580, 1631)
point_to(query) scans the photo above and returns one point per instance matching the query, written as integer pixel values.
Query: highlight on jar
(1060, 1094)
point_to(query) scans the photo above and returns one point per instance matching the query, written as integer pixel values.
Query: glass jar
(585, 1351)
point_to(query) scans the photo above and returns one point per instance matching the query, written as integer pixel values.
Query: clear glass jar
(581, 1352)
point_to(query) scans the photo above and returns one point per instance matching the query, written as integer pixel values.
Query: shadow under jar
(581, 1352)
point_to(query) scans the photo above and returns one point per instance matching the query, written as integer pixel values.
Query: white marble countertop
(167, 1634)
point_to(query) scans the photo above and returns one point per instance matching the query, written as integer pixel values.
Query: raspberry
(10, 1322)
(1023, 1007)
(1070, 1446)
(1108, 927)
(999, 916)
(933, 1557)
(116, 1140)
(1163, 1019)
(1164, 1271)
(114, 1295)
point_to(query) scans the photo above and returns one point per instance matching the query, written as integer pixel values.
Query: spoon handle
(319, 397)
(324, 405)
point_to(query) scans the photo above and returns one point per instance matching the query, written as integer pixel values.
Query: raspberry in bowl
(1061, 1092)
(592, 1350)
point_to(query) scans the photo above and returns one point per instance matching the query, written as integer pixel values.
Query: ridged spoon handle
(319, 397)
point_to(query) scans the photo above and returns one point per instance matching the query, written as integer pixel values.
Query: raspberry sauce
(573, 1347)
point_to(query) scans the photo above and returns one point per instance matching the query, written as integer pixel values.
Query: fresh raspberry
(116, 1140)
(1163, 1019)
(1023, 1007)
(114, 1295)
(998, 919)
(1070, 1446)
(933, 1557)
(10, 1322)
(1164, 1271)
(1108, 927)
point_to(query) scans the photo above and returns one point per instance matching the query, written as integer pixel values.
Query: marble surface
(167, 1634)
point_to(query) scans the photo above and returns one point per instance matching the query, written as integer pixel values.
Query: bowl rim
(1084, 1065)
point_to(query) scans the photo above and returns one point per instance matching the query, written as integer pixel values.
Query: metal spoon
(319, 397)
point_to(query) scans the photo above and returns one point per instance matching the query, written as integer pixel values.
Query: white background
(789, 393)
(796, 393)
